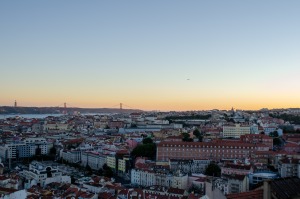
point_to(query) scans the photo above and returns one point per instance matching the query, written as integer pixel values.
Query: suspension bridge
(121, 106)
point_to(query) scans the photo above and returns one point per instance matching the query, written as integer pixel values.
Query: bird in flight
(187, 79)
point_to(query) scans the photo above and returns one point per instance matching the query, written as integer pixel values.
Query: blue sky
(98, 53)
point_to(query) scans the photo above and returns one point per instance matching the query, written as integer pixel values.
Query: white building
(289, 167)
(43, 173)
(149, 177)
(92, 158)
(72, 156)
(189, 166)
(56, 126)
(24, 149)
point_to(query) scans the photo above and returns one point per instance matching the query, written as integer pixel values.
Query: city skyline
(169, 55)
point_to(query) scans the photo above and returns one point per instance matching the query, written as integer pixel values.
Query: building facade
(43, 173)
(289, 167)
(189, 166)
(94, 159)
(235, 131)
(151, 177)
(210, 150)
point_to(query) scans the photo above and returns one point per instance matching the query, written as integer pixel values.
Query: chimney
(267, 189)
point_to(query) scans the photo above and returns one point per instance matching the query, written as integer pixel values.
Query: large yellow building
(235, 131)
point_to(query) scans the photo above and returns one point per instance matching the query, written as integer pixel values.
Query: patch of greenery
(213, 170)
(147, 149)
(293, 119)
(189, 117)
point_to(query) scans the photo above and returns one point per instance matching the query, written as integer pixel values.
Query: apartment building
(71, 156)
(207, 150)
(92, 158)
(289, 167)
(189, 166)
(258, 138)
(237, 183)
(123, 165)
(150, 177)
(43, 173)
(111, 162)
(23, 149)
(235, 131)
(236, 169)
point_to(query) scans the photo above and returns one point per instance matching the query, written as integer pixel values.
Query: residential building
(71, 156)
(123, 165)
(111, 162)
(43, 173)
(257, 138)
(235, 131)
(23, 149)
(189, 166)
(289, 167)
(292, 147)
(207, 150)
(92, 158)
(259, 176)
(236, 169)
(237, 183)
(150, 177)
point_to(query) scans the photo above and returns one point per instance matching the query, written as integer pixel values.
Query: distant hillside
(54, 110)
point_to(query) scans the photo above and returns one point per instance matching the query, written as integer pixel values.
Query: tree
(104, 167)
(100, 172)
(191, 117)
(73, 180)
(133, 125)
(276, 141)
(145, 150)
(107, 171)
(200, 138)
(88, 168)
(273, 134)
(196, 189)
(186, 137)
(196, 133)
(213, 170)
(147, 141)
(53, 151)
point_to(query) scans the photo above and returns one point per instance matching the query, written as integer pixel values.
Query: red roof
(255, 194)
(208, 144)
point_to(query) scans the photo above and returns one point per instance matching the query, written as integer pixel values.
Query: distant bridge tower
(15, 105)
(65, 108)
(121, 106)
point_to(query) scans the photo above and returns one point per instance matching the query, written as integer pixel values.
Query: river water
(37, 116)
(41, 116)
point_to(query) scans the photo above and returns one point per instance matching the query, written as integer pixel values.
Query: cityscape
(193, 154)
(149, 99)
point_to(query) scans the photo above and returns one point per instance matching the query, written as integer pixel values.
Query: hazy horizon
(152, 109)
(151, 55)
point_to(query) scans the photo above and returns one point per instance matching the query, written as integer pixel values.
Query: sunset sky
(151, 55)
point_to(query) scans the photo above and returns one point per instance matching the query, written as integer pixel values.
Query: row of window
(223, 147)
